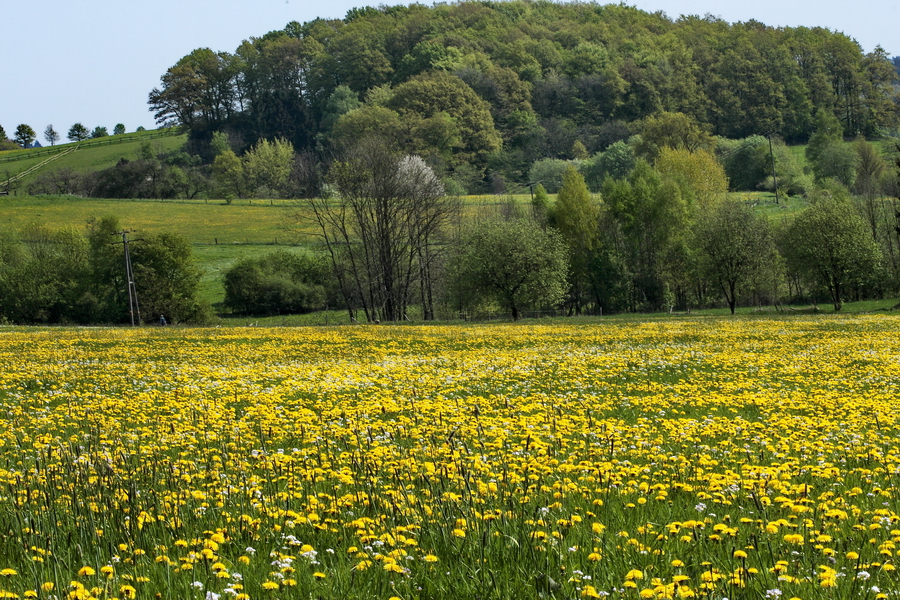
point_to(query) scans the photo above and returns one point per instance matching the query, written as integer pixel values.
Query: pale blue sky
(95, 61)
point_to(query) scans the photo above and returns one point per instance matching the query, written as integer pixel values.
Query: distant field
(200, 222)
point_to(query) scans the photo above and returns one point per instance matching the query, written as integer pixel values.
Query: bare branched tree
(383, 230)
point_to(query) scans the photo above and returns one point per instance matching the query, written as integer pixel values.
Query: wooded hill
(472, 85)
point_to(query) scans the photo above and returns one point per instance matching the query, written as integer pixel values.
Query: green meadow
(91, 155)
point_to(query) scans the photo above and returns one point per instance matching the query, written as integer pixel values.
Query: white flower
(198, 585)
(212, 596)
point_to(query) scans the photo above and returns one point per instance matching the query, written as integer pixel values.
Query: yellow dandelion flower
(634, 574)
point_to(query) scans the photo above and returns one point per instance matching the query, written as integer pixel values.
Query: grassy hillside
(91, 155)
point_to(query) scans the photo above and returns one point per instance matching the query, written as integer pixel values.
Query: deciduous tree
(516, 264)
(830, 245)
(51, 135)
(735, 246)
(267, 165)
(577, 218)
(24, 135)
(228, 172)
(698, 173)
(78, 133)
(382, 230)
(673, 130)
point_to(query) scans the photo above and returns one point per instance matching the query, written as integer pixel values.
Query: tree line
(25, 135)
(663, 234)
(482, 90)
(79, 276)
(390, 244)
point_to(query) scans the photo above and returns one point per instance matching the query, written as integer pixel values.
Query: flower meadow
(676, 458)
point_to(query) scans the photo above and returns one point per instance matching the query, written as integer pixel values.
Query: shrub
(280, 282)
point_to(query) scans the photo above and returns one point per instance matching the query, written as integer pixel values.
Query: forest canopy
(468, 83)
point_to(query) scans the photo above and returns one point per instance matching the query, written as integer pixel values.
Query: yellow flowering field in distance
(677, 458)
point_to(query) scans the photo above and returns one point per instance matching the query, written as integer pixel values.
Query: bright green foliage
(516, 264)
(577, 217)
(24, 135)
(700, 175)
(735, 247)
(267, 166)
(576, 213)
(219, 143)
(672, 130)
(366, 122)
(579, 152)
(830, 246)
(439, 94)
(228, 173)
(341, 101)
(540, 202)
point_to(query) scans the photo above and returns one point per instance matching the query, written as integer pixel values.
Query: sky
(95, 61)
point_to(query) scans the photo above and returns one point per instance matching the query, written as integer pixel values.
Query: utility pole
(129, 275)
(774, 177)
